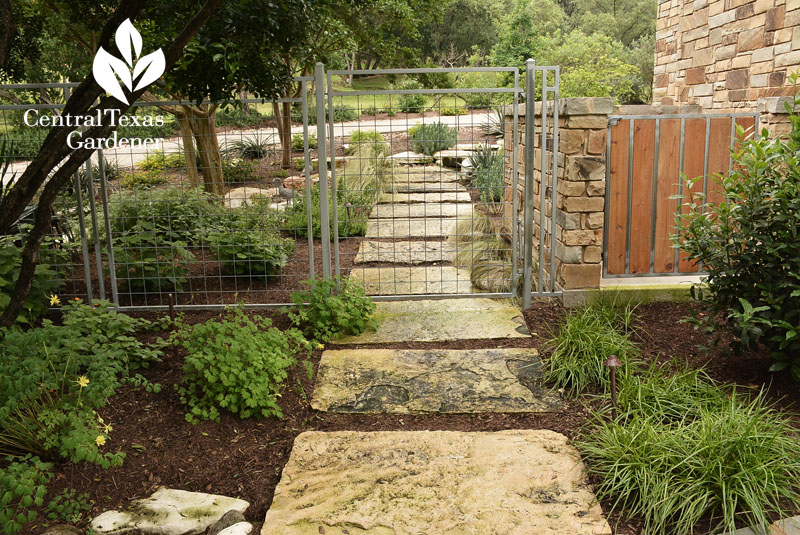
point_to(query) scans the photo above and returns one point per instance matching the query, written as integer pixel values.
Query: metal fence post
(322, 159)
(530, 130)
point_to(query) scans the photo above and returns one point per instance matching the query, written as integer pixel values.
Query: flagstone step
(460, 196)
(441, 320)
(451, 209)
(517, 482)
(404, 252)
(402, 280)
(411, 228)
(432, 381)
(425, 187)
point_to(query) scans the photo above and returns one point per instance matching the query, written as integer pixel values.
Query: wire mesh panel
(420, 204)
(200, 203)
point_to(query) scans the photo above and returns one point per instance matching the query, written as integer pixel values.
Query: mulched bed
(244, 458)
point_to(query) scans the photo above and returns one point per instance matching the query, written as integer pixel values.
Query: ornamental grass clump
(686, 455)
(584, 340)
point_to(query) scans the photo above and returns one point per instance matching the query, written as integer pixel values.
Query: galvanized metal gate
(144, 227)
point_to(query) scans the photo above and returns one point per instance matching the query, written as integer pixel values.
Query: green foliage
(21, 147)
(409, 103)
(483, 247)
(586, 338)
(24, 484)
(332, 307)
(352, 219)
(144, 179)
(476, 80)
(148, 127)
(45, 279)
(236, 363)
(361, 139)
(149, 261)
(56, 377)
(238, 170)
(487, 173)
(496, 125)
(684, 451)
(173, 212)
(430, 138)
(452, 110)
(161, 161)
(237, 117)
(750, 246)
(298, 142)
(245, 250)
(252, 147)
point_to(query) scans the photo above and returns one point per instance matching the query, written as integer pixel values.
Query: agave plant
(496, 125)
(249, 148)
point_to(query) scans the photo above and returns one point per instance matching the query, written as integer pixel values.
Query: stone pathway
(434, 482)
(411, 225)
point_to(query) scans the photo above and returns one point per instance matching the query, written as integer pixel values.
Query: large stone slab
(426, 187)
(404, 252)
(402, 280)
(411, 228)
(461, 196)
(520, 482)
(441, 320)
(388, 211)
(415, 177)
(168, 512)
(410, 158)
(432, 381)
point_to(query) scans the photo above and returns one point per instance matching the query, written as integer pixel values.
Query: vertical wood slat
(719, 157)
(642, 195)
(666, 207)
(693, 163)
(617, 203)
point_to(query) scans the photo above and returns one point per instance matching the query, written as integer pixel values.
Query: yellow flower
(82, 381)
(54, 301)
(107, 428)
(320, 346)
(100, 440)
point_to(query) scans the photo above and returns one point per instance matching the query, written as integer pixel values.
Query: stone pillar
(772, 115)
(580, 202)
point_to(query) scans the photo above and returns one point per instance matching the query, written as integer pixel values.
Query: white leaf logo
(109, 70)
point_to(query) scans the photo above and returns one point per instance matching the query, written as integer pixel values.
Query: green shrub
(483, 246)
(582, 343)
(352, 218)
(249, 251)
(174, 213)
(252, 147)
(683, 451)
(45, 280)
(410, 103)
(147, 261)
(22, 147)
(238, 170)
(237, 117)
(371, 110)
(478, 80)
(161, 161)
(361, 139)
(487, 173)
(750, 248)
(236, 363)
(430, 138)
(144, 179)
(331, 308)
(55, 377)
(298, 142)
(24, 484)
(452, 110)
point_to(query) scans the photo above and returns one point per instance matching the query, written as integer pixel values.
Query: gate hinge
(613, 122)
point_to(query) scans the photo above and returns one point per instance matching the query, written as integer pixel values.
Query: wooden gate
(646, 155)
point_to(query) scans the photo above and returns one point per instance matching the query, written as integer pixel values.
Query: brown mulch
(244, 458)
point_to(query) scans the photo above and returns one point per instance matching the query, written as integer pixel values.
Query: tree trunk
(204, 128)
(282, 111)
(189, 154)
(245, 105)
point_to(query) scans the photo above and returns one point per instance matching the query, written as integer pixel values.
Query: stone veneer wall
(725, 54)
(580, 206)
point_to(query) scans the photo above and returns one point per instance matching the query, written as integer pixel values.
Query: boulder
(168, 512)
(410, 158)
(236, 197)
(242, 528)
(229, 519)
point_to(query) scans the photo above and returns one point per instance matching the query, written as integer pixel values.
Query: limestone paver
(432, 381)
(425, 187)
(441, 320)
(451, 209)
(402, 280)
(404, 252)
(411, 228)
(434, 482)
(417, 175)
(461, 196)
